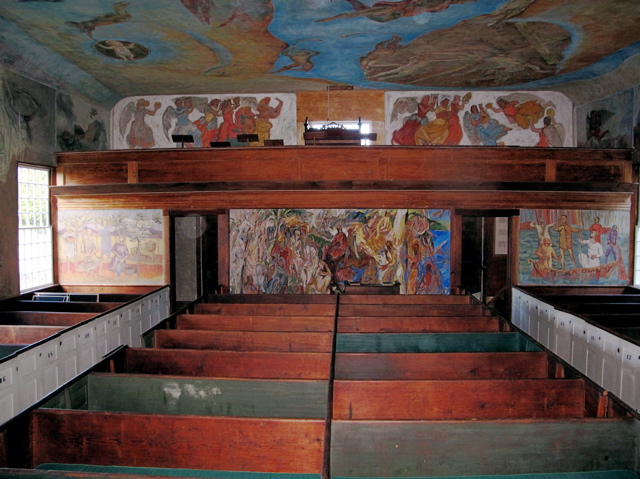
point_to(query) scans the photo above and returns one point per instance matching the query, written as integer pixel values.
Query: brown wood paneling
(26, 334)
(243, 340)
(254, 323)
(405, 299)
(462, 399)
(258, 309)
(228, 364)
(415, 310)
(336, 163)
(26, 318)
(193, 442)
(452, 366)
(106, 197)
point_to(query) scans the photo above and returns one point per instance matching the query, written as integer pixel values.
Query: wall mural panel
(574, 247)
(606, 123)
(478, 118)
(149, 122)
(27, 122)
(80, 126)
(280, 251)
(105, 247)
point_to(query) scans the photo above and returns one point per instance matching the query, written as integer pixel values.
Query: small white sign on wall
(501, 245)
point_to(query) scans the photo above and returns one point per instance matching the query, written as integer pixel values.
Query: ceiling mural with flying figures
(109, 50)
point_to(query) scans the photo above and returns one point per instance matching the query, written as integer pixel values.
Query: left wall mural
(104, 247)
(150, 122)
(296, 251)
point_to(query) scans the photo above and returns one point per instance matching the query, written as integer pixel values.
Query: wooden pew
(406, 299)
(62, 307)
(254, 322)
(432, 343)
(423, 324)
(163, 394)
(472, 448)
(415, 310)
(319, 342)
(178, 441)
(26, 334)
(441, 366)
(458, 399)
(40, 318)
(266, 309)
(227, 364)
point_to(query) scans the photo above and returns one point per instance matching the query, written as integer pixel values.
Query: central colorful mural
(296, 251)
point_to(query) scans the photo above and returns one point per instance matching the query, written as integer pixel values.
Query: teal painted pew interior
(432, 343)
(462, 448)
(7, 349)
(165, 472)
(205, 397)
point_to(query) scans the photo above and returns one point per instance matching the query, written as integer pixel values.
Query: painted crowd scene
(574, 247)
(111, 247)
(479, 119)
(151, 122)
(296, 251)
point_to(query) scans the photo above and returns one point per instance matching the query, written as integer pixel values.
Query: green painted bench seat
(432, 343)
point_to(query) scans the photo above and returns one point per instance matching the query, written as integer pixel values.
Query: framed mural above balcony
(297, 251)
(478, 118)
(150, 121)
(574, 247)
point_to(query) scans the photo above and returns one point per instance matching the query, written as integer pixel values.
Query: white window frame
(35, 232)
(365, 127)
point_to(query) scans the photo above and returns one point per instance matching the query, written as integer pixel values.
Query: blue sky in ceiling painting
(342, 42)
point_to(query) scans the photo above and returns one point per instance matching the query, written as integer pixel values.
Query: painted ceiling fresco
(110, 49)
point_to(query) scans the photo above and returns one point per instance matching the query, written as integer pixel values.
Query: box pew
(178, 441)
(586, 307)
(184, 422)
(458, 399)
(398, 310)
(591, 298)
(26, 334)
(319, 342)
(432, 343)
(57, 307)
(406, 299)
(423, 324)
(483, 447)
(168, 394)
(441, 366)
(254, 322)
(40, 318)
(8, 349)
(227, 364)
(266, 309)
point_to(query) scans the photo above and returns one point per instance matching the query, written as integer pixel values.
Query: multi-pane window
(35, 233)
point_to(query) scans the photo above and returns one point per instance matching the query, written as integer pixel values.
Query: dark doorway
(194, 259)
(485, 257)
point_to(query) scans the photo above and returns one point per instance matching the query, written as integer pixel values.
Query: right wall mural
(574, 247)
(478, 118)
